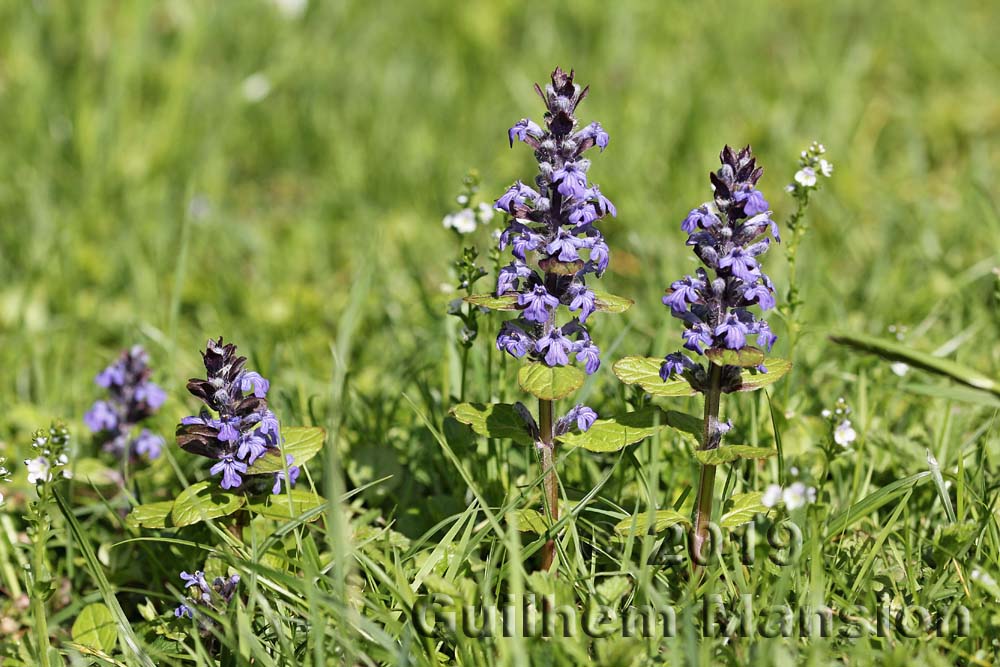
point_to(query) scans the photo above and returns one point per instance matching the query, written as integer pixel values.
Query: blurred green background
(175, 170)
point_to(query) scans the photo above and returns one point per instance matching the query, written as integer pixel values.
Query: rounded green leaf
(748, 357)
(301, 442)
(727, 453)
(645, 372)
(505, 302)
(151, 515)
(611, 303)
(549, 383)
(95, 628)
(776, 369)
(611, 435)
(744, 507)
(287, 506)
(662, 520)
(530, 521)
(497, 420)
(202, 501)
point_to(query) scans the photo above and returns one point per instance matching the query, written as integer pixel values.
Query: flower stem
(706, 483)
(551, 483)
(38, 595)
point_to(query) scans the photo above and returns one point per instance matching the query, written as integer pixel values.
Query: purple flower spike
(733, 331)
(557, 227)
(132, 398)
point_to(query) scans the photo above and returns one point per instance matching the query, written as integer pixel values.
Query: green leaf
(611, 435)
(549, 383)
(747, 357)
(505, 302)
(277, 506)
(645, 372)
(202, 501)
(302, 442)
(928, 362)
(93, 472)
(531, 521)
(95, 628)
(662, 520)
(687, 423)
(776, 369)
(744, 508)
(493, 420)
(611, 303)
(954, 393)
(727, 453)
(151, 515)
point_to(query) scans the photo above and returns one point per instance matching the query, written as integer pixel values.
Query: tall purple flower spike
(556, 220)
(236, 427)
(132, 398)
(728, 234)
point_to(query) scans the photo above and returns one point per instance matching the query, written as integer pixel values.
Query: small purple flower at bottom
(699, 334)
(584, 417)
(293, 476)
(230, 469)
(513, 340)
(184, 610)
(674, 364)
(556, 347)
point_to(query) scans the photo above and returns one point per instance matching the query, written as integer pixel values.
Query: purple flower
(522, 129)
(269, 425)
(508, 277)
(293, 475)
(674, 364)
(148, 444)
(753, 201)
(596, 132)
(200, 594)
(582, 214)
(571, 179)
(252, 381)
(564, 246)
(604, 204)
(589, 354)
(101, 417)
(697, 335)
(518, 194)
(537, 304)
(759, 294)
(699, 217)
(231, 470)
(252, 446)
(513, 340)
(741, 263)
(582, 299)
(524, 243)
(184, 610)
(556, 348)
(600, 256)
(683, 292)
(733, 331)
(228, 431)
(131, 399)
(581, 415)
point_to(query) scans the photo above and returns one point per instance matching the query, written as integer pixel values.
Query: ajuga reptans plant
(728, 234)
(236, 427)
(132, 399)
(556, 249)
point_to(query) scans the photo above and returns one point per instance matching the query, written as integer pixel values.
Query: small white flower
(256, 87)
(462, 200)
(899, 368)
(463, 222)
(844, 434)
(1, 499)
(291, 9)
(826, 168)
(790, 187)
(62, 460)
(806, 177)
(826, 413)
(772, 496)
(38, 470)
(797, 495)
(484, 212)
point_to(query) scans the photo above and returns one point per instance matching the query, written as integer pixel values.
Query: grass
(146, 199)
